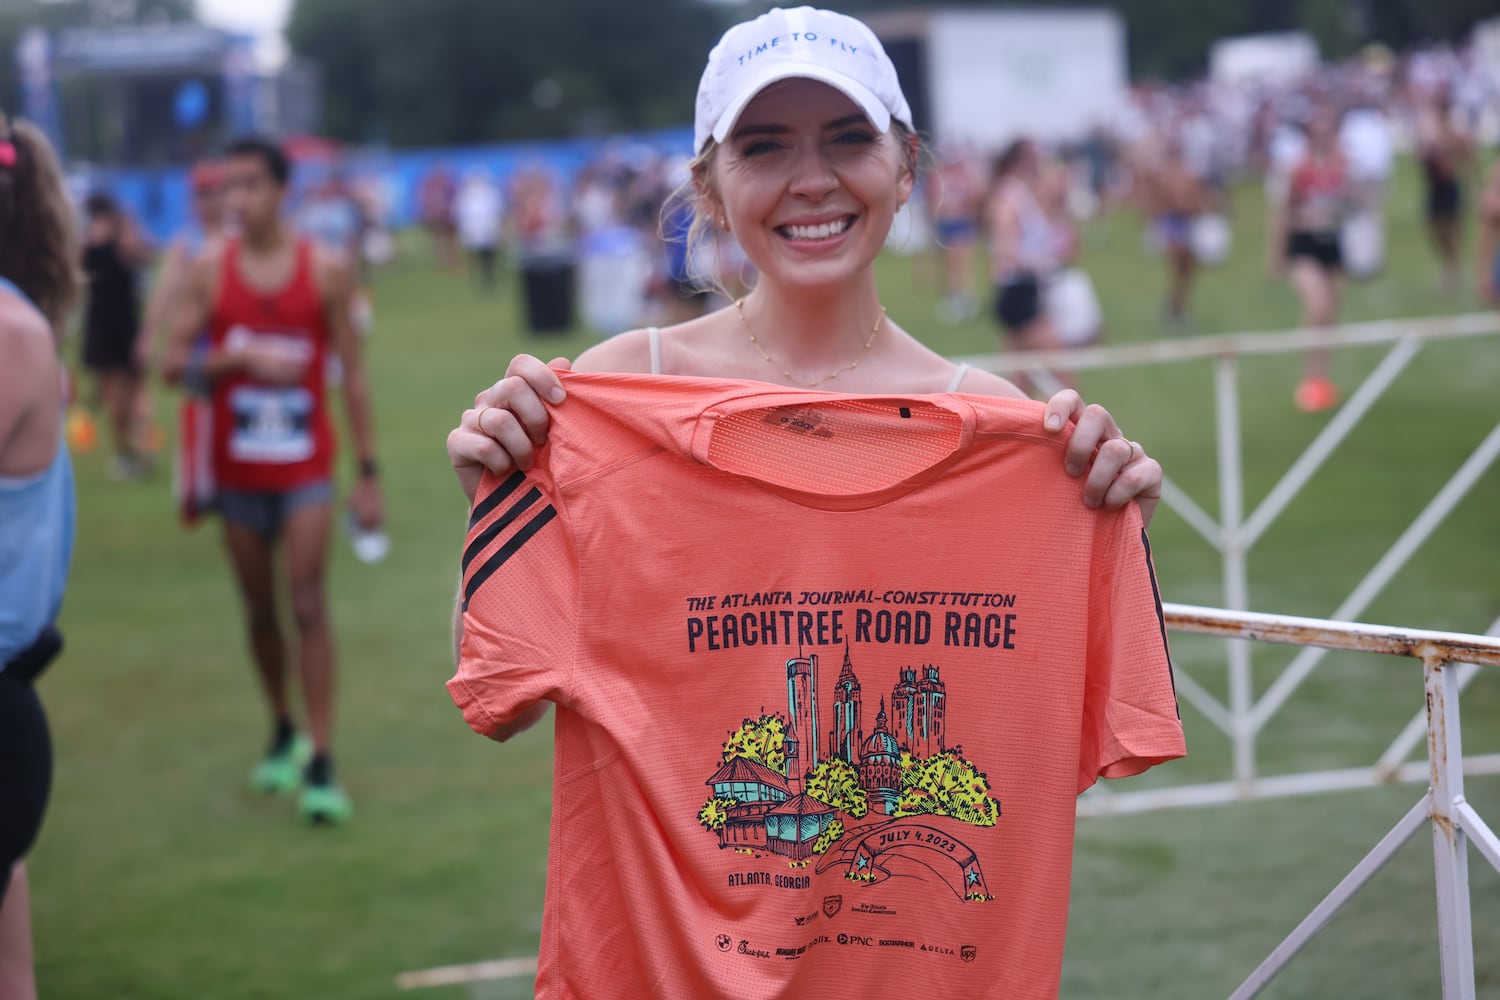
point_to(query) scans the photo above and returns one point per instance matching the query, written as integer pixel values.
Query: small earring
(724, 224)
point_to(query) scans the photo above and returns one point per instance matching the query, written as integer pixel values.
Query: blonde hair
(696, 194)
(38, 237)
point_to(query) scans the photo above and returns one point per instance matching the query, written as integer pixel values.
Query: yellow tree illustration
(715, 812)
(827, 837)
(946, 784)
(836, 784)
(762, 740)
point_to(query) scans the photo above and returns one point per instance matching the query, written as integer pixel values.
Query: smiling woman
(808, 185)
(805, 150)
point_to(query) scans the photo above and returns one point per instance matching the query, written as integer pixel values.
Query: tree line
(484, 70)
(467, 71)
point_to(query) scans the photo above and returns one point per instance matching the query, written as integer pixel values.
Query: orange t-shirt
(829, 672)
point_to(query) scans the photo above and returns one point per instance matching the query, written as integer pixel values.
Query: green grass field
(159, 876)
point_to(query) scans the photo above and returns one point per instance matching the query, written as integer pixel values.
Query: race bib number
(272, 425)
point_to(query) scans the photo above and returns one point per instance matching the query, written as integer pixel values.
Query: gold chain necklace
(739, 307)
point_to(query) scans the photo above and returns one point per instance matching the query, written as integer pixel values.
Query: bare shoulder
(204, 269)
(30, 351)
(911, 366)
(685, 348)
(211, 246)
(624, 352)
(332, 269)
(979, 382)
(211, 254)
(24, 331)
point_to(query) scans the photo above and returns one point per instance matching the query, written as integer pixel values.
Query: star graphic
(973, 876)
(861, 862)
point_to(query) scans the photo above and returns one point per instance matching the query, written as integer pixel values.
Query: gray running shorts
(265, 512)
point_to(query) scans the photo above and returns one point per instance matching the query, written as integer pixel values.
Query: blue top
(36, 544)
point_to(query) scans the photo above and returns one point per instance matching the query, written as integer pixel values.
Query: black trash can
(548, 285)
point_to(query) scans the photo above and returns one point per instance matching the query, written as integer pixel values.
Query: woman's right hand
(507, 423)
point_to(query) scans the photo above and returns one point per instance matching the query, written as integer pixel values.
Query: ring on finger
(479, 418)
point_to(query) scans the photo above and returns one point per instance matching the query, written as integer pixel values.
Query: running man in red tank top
(276, 305)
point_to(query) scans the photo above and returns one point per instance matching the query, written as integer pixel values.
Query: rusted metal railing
(1238, 527)
(1455, 823)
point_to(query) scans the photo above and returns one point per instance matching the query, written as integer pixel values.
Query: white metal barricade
(1454, 822)
(1235, 532)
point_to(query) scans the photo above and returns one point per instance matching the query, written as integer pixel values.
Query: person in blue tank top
(39, 283)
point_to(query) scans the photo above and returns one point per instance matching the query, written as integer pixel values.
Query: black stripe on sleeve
(501, 523)
(496, 498)
(1161, 618)
(507, 550)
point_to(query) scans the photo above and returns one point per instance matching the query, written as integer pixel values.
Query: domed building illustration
(755, 807)
(880, 767)
(919, 704)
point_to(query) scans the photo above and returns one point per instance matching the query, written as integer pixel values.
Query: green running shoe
(325, 804)
(281, 772)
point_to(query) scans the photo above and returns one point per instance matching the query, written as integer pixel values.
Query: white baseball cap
(801, 42)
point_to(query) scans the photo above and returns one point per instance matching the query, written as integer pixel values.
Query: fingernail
(1090, 502)
(556, 395)
(1074, 469)
(1054, 423)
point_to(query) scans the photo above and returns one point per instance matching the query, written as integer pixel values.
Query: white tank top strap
(653, 337)
(958, 376)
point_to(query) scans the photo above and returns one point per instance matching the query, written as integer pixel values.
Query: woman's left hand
(1116, 470)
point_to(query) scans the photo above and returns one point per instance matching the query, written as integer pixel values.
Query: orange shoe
(82, 433)
(1316, 393)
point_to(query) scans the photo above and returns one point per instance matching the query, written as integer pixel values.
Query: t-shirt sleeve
(519, 598)
(1130, 716)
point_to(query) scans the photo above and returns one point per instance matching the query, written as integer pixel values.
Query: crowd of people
(1323, 146)
(606, 246)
